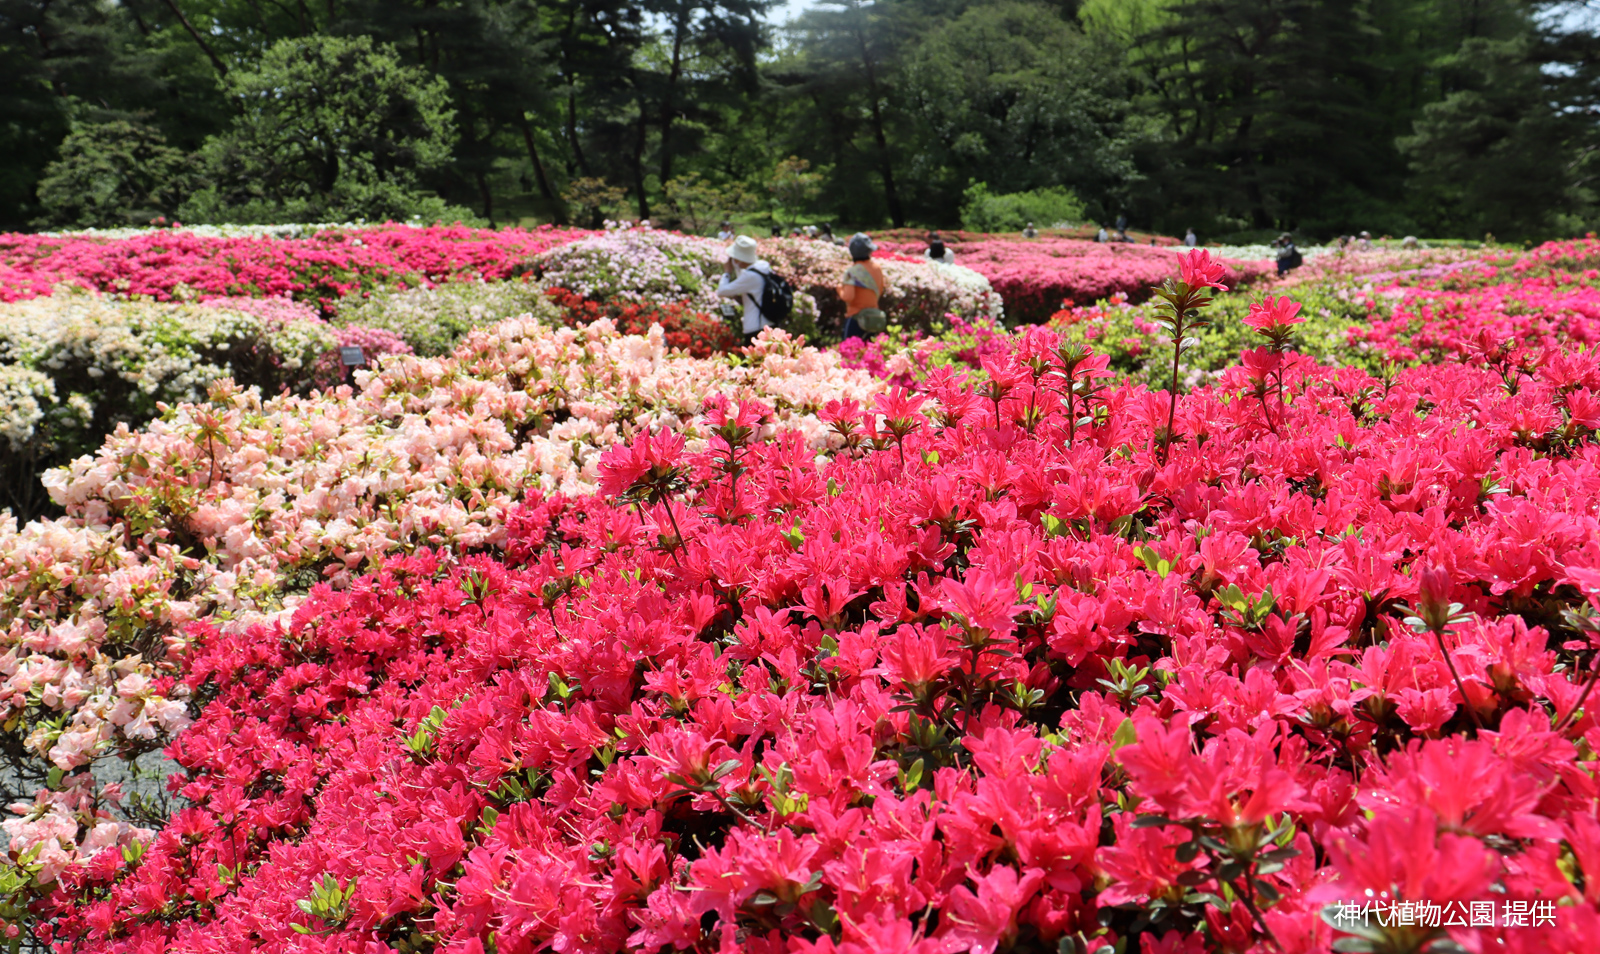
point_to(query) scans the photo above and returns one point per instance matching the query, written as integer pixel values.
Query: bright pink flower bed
(1035, 277)
(317, 269)
(996, 680)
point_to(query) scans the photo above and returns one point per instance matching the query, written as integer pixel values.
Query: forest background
(1238, 118)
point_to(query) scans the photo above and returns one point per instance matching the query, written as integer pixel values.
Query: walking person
(863, 285)
(743, 279)
(1189, 238)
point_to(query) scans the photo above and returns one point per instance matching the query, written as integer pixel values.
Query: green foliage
(328, 129)
(696, 205)
(1483, 154)
(593, 199)
(113, 174)
(1014, 95)
(432, 320)
(1138, 348)
(983, 211)
(793, 185)
(329, 903)
(1231, 116)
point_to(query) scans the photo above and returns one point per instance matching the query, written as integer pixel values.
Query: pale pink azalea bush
(77, 364)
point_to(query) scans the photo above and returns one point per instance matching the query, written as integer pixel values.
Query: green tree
(846, 71)
(1267, 104)
(327, 128)
(115, 173)
(593, 198)
(696, 205)
(792, 186)
(1014, 95)
(85, 61)
(1499, 155)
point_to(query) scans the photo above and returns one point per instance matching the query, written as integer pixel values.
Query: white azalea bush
(228, 510)
(76, 365)
(647, 265)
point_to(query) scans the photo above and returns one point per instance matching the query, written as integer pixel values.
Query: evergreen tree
(112, 174)
(1012, 95)
(328, 128)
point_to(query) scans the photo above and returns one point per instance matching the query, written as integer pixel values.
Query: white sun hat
(743, 250)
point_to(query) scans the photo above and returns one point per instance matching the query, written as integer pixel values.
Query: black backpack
(777, 299)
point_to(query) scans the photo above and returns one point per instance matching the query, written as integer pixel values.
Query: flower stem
(1477, 723)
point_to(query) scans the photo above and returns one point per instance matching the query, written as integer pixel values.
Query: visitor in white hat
(743, 279)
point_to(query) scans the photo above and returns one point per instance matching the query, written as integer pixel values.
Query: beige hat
(743, 250)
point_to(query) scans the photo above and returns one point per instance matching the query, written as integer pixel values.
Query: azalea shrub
(1036, 278)
(433, 320)
(1386, 308)
(648, 265)
(1136, 346)
(165, 264)
(230, 510)
(904, 357)
(1041, 660)
(682, 327)
(81, 365)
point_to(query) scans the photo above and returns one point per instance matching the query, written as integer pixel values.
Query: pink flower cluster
(1000, 675)
(167, 264)
(1035, 278)
(1492, 312)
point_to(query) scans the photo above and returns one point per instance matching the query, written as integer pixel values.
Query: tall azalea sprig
(1274, 319)
(650, 470)
(1081, 368)
(1179, 313)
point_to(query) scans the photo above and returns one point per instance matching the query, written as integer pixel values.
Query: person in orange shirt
(863, 285)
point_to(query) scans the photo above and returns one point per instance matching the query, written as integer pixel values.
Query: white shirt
(749, 286)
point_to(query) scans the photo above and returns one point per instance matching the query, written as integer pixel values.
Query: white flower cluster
(1256, 253)
(75, 351)
(24, 396)
(290, 231)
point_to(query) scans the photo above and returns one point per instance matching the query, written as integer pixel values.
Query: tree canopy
(1237, 117)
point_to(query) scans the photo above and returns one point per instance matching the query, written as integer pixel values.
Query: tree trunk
(638, 162)
(533, 157)
(572, 132)
(487, 196)
(668, 99)
(890, 194)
